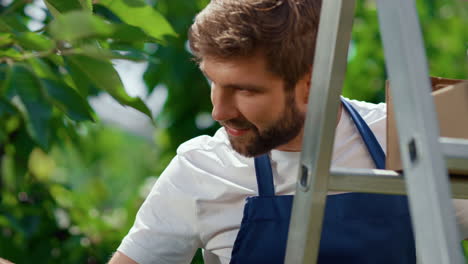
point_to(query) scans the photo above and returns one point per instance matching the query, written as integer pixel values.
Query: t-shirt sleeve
(165, 228)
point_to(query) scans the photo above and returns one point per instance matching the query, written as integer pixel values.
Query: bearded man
(257, 55)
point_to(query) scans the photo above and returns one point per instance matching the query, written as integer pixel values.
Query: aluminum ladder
(423, 153)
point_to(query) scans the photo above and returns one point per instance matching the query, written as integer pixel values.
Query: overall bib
(358, 228)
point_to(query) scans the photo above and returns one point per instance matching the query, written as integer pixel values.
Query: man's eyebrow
(249, 87)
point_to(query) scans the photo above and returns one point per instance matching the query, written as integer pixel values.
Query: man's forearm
(121, 258)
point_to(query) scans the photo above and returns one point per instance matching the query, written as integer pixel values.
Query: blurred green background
(70, 187)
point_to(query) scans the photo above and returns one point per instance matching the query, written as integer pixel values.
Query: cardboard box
(451, 102)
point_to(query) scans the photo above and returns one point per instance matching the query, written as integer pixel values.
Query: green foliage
(445, 37)
(138, 13)
(77, 25)
(69, 188)
(37, 111)
(33, 41)
(46, 78)
(58, 7)
(68, 100)
(365, 75)
(177, 71)
(465, 249)
(74, 205)
(102, 75)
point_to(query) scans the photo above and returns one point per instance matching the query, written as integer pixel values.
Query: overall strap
(264, 172)
(264, 176)
(373, 146)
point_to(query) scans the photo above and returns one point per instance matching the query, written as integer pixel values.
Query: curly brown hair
(284, 31)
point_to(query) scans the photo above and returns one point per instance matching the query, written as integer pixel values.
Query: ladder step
(455, 151)
(382, 181)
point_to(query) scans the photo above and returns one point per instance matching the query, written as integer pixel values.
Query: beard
(280, 132)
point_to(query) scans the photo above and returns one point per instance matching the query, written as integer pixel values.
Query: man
(257, 55)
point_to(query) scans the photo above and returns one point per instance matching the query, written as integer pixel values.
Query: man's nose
(223, 104)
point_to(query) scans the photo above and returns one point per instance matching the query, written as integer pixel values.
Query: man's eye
(247, 91)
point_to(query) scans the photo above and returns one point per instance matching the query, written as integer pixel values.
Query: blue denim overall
(358, 228)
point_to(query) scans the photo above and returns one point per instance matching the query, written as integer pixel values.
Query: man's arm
(165, 229)
(121, 258)
(461, 213)
(4, 261)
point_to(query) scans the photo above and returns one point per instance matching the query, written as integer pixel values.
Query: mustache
(237, 123)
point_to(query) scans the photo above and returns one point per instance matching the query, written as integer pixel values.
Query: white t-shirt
(198, 201)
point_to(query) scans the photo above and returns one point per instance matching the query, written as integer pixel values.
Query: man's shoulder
(210, 154)
(212, 150)
(370, 112)
(205, 143)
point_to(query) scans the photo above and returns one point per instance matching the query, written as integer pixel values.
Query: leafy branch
(38, 54)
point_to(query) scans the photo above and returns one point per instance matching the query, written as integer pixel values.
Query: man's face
(253, 106)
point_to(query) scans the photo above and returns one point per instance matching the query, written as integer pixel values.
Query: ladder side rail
(326, 86)
(433, 217)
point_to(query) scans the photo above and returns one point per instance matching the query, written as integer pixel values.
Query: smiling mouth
(236, 132)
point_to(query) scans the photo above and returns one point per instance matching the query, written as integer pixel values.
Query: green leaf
(52, 9)
(62, 195)
(82, 83)
(5, 38)
(4, 27)
(34, 41)
(135, 55)
(38, 112)
(103, 75)
(13, 23)
(137, 13)
(68, 100)
(63, 6)
(4, 69)
(6, 108)
(465, 249)
(11, 53)
(87, 4)
(127, 54)
(13, 123)
(126, 33)
(41, 69)
(79, 25)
